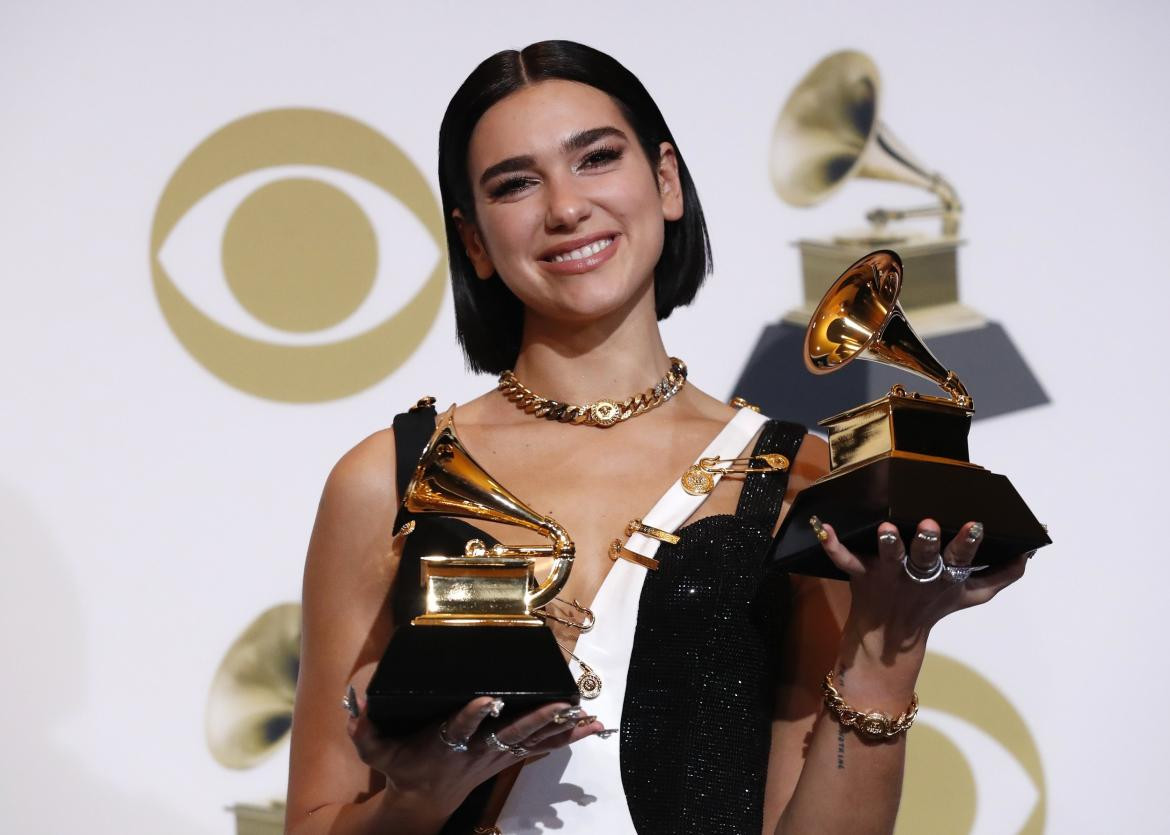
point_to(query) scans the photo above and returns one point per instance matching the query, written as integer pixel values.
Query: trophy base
(905, 491)
(429, 672)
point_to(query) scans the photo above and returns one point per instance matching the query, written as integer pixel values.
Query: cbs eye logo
(972, 765)
(265, 255)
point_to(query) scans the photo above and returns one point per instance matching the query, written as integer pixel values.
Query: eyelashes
(597, 158)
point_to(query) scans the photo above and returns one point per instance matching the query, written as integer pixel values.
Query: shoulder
(364, 476)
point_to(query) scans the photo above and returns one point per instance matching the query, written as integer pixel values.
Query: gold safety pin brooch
(699, 478)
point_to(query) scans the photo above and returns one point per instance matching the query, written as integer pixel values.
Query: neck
(612, 357)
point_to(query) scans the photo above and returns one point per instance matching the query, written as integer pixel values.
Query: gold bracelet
(870, 726)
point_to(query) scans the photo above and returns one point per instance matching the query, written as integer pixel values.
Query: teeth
(583, 252)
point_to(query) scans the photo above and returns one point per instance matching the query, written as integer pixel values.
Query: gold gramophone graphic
(903, 457)
(478, 635)
(830, 133)
(250, 704)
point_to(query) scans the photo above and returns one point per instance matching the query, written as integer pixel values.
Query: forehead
(535, 119)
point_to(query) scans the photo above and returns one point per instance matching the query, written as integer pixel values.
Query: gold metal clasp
(768, 462)
(637, 526)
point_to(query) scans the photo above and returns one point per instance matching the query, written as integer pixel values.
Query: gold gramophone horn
(829, 131)
(249, 707)
(859, 317)
(448, 480)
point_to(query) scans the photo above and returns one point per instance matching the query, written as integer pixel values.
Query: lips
(579, 248)
(581, 256)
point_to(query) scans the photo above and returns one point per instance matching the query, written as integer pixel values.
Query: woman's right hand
(425, 768)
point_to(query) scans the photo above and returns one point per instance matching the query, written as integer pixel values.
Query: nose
(567, 205)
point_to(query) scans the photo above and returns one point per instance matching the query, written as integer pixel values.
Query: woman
(573, 227)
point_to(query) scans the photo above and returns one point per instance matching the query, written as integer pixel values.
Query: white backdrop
(149, 511)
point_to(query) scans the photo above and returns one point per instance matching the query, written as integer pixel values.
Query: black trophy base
(429, 672)
(904, 492)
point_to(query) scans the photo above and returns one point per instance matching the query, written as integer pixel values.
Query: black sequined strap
(763, 493)
(412, 430)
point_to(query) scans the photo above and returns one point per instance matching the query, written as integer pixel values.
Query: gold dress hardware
(636, 526)
(423, 403)
(618, 549)
(589, 682)
(769, 462)
(740, 403)
(699, 479)
(586, 622)
(601, 413)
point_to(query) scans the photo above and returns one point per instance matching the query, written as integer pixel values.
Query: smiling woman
(573, 226)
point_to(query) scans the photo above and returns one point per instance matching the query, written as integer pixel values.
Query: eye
(296, 254)
(513, 185)
(970, 757)
(600, 157)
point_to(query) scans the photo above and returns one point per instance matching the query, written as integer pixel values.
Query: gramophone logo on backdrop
(265, 255)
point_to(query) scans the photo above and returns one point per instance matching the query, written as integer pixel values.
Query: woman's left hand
(891, 613)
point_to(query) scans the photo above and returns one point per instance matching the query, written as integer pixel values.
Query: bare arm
(344, 778)
(349, 572)
(821, 774)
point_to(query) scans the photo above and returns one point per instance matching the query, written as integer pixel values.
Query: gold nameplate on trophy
(903, 457)
(465, 591)
(466, 643)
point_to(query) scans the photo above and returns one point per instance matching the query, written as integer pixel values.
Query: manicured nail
(586, 720)
(606, 733)
(887, 538)
(563, 716)
(819, 529)
(494, 707)
(975, 532)
(350, 703)
(927, 537)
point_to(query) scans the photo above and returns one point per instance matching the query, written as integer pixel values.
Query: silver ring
(518, 751)
(919, 575)
(459, 747)
(494, 741)
(959, 573)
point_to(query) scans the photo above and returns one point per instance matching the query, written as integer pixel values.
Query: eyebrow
(575, 142)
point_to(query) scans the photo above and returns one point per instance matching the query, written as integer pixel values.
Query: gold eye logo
(299, 257)
(969, 743)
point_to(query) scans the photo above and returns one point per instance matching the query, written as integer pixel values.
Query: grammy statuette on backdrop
(900, 458)
(829, 133)
(479, 605)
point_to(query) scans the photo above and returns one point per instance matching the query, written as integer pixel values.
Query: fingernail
(585, 720)
(350, 703)
(494, 707)
(606, 733)
(821, 533)
(975, 532)
(563, 716)
(927, 537)
(887, 538)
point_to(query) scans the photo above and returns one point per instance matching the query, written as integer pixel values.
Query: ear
(473, 244)
(669, 187)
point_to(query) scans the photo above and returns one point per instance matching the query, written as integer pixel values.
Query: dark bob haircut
(489, 319)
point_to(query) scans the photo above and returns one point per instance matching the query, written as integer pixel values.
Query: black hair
(488, 317)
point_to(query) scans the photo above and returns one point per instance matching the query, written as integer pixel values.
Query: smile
(583, 252)
(581, 256)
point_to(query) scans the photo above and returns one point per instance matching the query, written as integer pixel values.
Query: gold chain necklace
(601, 413)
